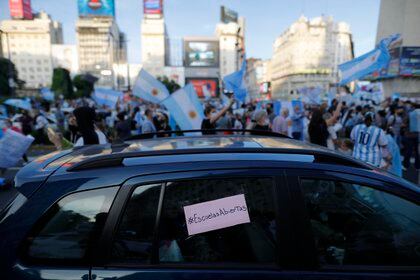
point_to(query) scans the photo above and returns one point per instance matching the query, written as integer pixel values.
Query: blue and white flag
(236, 82)
(47, 94)
(185, 108)
(277, 107)
(149, 88)
(390, 40)
(107, 97)
(364, 65)
(19, 103)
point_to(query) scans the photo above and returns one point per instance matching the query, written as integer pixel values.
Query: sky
(265, 19)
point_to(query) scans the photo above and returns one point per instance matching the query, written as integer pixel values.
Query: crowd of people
(373, 133)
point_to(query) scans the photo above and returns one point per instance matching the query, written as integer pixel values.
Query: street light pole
(10, 68)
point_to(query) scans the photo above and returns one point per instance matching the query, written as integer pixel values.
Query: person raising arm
(208, 124)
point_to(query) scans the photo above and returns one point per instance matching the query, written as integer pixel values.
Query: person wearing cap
(368, 141)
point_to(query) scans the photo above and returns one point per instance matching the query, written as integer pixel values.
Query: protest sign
(12, 147)
(216, 214)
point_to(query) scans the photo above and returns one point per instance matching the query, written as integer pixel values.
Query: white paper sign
(216, 214)
(12, 147)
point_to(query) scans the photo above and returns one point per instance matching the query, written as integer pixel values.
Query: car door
(163, 227)
(359, 227)
(60, 244)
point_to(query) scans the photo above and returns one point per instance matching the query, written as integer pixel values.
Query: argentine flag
(364, 65)
(149, 88)
(107, 97)
(47, 94)
(185, 108)
(236, 82)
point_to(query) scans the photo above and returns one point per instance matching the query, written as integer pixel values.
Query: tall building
(65, 56)
(30, 42)
(98, 47)
(257, 78)
(153, 45)
(307, 55)
(403, 75)
(231, 45)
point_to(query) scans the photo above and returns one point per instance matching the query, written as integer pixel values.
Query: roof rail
(116, 159)
(212, 131)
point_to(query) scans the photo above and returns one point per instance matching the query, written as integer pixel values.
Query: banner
(236, 82)
(185, 108)
(364, 65)
(149, 88)
(12, 147)
(107, 97)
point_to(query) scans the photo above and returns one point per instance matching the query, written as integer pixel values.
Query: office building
(30, 42)
(307, 54)
(65, 56)
(98, 46)
(153, 45)
(403, 73)
(231, 45)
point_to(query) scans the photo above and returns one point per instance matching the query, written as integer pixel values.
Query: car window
(134, 236)
(218, 220)
(70, 226)
(358, 225)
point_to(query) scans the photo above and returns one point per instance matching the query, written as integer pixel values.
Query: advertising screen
(152, 7)
(88, 8)
(228, 15)
(20, 9)
(201, 53)
(205, 88)
(410, 61)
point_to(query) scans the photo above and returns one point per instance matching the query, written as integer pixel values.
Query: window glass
(71, 225)
(133, 239)
(358, 225)
(250, 242)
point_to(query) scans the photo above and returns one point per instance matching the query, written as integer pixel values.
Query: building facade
(402, 16)
(231, 45)
(65, 56)
(257, 78)
(153, 45)
(98, 42)
(307, 55)
(30, 43)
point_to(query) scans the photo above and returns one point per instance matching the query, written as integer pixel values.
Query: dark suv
(208, 207)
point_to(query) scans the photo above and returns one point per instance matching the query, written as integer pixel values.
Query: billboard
(201, 53)
(205, 88)
(153, 7)
(228, 15)
(410, 61)
(91, 8)
(20, 9)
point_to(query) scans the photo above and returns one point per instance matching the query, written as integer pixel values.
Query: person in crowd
(369, 140)
(261, 124)
(318, 129)
(345, 146)
(85, 121)
(59, 117)
(392, 157)
(333, 127)
(122, 127)
(395, 121)
(238, 125)
(27, 122)
(40, 125)
(211, 117)
(148, 126)
(280, 122)
(270, 113)
(358, 115)
(297, 123)
(410, 131)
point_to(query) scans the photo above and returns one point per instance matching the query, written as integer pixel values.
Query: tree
(171, 85)
(62, 84)
(6, 66)
(84, 84)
